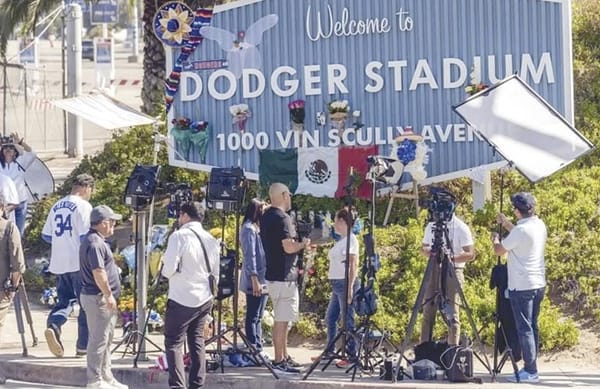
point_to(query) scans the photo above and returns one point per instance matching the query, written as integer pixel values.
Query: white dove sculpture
(241, 53)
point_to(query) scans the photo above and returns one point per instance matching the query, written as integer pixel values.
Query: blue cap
(523, 201)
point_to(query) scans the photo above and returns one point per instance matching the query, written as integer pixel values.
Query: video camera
(441, 206)
(179, 194)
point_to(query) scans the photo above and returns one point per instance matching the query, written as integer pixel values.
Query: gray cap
(103, 212)
(523, 201)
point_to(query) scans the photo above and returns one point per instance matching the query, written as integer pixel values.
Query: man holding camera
(525, 245)
(191, 257)
(278, 237)
(461, 251)
(12, 262)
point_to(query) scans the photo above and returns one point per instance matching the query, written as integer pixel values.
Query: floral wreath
(173, 23)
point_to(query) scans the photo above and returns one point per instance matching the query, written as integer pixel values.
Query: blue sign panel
(103, 11)
(388, 64)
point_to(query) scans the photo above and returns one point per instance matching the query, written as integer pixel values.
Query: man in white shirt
(67, 223)
(192, 255)
(525, 245)
(10, 196)
(461, 252)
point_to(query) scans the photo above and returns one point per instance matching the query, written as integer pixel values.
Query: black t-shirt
(276, 226)
(95, 253)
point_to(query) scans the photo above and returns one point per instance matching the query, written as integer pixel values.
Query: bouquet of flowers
(297, 114)
(338, 112)
(476, 85)
(240, 113)
(410, 153)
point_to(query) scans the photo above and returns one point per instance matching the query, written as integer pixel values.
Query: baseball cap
(103, 212)
(523, 201)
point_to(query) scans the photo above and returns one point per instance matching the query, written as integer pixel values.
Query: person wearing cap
(15, 158)
(192, 255)
(12, 263)
(525, 245)
(67, 223)
(100, 290)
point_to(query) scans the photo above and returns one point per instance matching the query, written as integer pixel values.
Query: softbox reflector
(523, 128)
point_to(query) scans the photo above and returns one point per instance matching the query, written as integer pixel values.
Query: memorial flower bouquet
(240, 113)
(297, 114)
(476, 85)
(338, 112)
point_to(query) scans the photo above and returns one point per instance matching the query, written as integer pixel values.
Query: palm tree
(26, 12)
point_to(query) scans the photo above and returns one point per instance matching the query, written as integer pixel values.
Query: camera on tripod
(441, 206)
(179, 194)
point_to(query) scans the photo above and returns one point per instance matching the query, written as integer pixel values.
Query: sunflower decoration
(173, 23)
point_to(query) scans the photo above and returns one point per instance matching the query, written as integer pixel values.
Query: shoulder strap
(203, 250)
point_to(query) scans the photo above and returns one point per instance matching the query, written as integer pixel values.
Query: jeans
(182, 321)
(526, 309)
(68, 289)
(255, 306)
(20, 215)
(102, 327)
(334, 313)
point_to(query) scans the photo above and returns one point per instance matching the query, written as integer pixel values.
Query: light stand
(236, 185)
(340, 353)
(499, 328)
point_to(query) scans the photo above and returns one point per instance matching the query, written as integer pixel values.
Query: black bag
(432, 351)
(365, 301)
(212, 281)
(458, 362)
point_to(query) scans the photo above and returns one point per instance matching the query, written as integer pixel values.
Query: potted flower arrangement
(187, 133)
(240, 114)
(297, 114)
(338, 112)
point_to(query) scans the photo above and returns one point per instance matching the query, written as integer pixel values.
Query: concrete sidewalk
(40, 366)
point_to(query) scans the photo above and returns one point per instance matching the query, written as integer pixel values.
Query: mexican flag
(318, 171)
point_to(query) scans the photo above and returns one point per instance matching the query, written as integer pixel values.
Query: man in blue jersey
(67, 223)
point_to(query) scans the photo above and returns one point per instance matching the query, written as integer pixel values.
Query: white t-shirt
(16, 171)
(9, 194)
(67, 222)
(525, 244)
(185, 267)
(337, 257)
(458, 233)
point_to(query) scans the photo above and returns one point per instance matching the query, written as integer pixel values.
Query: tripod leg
(23, 293)
(413, 316)
(20, 324)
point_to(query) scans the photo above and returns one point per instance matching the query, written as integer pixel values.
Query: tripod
(134, 338)
(21, 304)
(441, 256)
(344, 333)
(235, 329)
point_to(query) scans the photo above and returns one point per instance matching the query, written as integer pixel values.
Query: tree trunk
(154, 63)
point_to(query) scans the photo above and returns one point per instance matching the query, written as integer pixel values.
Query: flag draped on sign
(317, 171)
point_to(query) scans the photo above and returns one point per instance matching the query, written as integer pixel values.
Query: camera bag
(458, 362)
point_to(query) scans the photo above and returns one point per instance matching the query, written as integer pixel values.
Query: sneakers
(53, 340)
(80, 353)
(114, 384)
(291, 362)
(284, 367)
(525, 377)
(344, 363)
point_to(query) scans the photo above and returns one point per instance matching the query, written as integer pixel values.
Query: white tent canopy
(104, 111)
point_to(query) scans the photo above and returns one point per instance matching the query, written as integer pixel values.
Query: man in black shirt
(281, 250)
(100, 289)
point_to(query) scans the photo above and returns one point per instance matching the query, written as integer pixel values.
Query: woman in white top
(15, 158)
(337, 272)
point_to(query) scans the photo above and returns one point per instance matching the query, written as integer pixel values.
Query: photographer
(525, 245)
(12, 262)
(281, 250)
(461, 251)
(192, 255)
